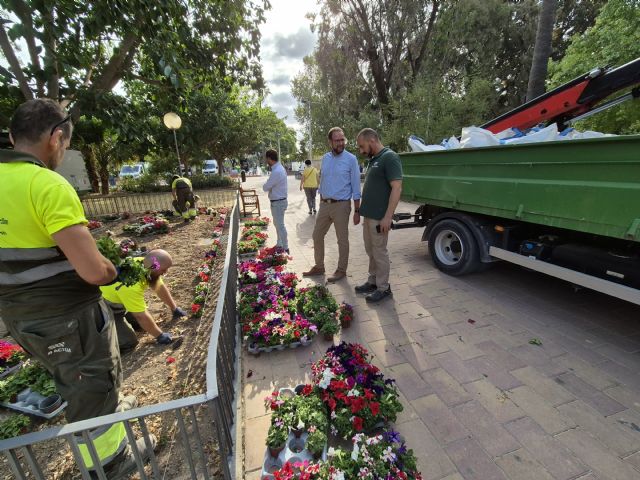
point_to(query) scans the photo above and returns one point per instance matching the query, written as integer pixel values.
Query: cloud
(279, 80)
(282, 99)
(296, 45)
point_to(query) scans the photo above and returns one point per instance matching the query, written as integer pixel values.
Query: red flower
(195, 308)
(332, 404)
(368, 394)
(307, 390)
(357, 424)
(357, 404)
(375, 408)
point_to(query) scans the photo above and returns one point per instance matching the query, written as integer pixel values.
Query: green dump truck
(570, 209)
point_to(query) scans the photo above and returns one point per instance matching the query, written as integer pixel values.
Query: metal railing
(217, 403)
(96, 205)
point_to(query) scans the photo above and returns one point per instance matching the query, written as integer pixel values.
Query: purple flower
(155, 265)
(392, 436)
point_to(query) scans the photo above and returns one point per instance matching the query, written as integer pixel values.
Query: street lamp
(173, 122)
(308, 102)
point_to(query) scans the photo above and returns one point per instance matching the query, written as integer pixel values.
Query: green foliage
(153, 182)
(316, 442)
(13, 426)
(131, 271)
(32, 375)
(613, 40)
(277, 435)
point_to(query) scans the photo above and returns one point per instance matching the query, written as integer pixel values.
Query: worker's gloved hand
(164, 338)
(178, 313)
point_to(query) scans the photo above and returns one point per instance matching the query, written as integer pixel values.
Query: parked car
(133, 171)
(210, 167)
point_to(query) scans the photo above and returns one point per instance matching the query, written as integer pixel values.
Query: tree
(611, 41)
(542, 49)
(85, 48)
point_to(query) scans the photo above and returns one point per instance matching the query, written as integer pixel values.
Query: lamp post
(173, 122)
(308, 102)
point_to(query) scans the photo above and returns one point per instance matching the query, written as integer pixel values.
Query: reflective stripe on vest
(108, 442)
(19, 266)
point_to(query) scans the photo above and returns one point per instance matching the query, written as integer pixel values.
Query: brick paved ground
(480, 401)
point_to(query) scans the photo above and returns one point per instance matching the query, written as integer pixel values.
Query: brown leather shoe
(337, 275)
(314, 271)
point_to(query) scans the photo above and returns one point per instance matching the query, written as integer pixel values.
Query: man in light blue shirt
(339, 184)
(277, 188)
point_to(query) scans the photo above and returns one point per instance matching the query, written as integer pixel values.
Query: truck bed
(590, 186)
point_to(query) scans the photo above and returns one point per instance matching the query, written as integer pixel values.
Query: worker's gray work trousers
(127, 338)
(80, 350)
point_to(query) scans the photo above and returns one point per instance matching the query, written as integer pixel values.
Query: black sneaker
(310, 212)
(366, 287)
(378, 295)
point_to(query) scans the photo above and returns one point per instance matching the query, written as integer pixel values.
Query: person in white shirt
(277, 188)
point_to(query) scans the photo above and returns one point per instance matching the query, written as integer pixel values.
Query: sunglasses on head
(61, 122)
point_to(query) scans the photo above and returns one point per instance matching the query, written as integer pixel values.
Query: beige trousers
(375, 244)
(338, 214)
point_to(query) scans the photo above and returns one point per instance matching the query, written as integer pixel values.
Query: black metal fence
(96, 205)
(200, 419)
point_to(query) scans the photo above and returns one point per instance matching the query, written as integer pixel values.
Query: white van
(133, 171)
(210, 167)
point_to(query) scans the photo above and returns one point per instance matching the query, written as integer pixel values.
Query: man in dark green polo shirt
(380, 197)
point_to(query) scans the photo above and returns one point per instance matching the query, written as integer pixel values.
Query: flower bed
(348, 396)
(147, 225)
(203, 276)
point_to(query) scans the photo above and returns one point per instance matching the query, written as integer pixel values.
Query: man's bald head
(158, 258)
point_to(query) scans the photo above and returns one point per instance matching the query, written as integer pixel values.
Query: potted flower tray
(254, 350)
(294, 451)
(33, 403)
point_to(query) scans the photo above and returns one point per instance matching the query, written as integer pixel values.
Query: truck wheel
(453, 249)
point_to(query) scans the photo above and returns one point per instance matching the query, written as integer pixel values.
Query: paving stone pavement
(480, 401)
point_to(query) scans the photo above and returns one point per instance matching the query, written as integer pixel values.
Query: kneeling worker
(128, 302)
(183, 200)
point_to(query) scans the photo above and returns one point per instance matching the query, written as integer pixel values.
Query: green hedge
(150, 182)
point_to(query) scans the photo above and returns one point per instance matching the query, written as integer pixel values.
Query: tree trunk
(14, 63)
(104, 179)
(90, 164)
(542, 49)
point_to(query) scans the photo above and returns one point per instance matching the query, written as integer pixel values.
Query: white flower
(331, 452)
(334, 430)
(333, 415)
(327, 375)
(353, 392)
(388, 455)
(338, 475)
(252, 275)
(355, 452)
(300, 425)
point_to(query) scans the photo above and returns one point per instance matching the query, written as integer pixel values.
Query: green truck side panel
(591, 186)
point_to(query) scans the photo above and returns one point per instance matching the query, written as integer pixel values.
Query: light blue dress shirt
(340, 176)
(277, 183)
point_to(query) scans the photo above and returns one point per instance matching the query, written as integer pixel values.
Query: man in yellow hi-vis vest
(50, 269)
(183, 201)
(309, 181)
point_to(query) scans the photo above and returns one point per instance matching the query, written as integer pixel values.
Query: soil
(147, 373)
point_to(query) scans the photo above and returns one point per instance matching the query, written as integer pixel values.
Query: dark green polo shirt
(382, 169)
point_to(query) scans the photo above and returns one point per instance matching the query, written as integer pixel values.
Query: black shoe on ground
(310, 212)
(315, 211)
(366, 287)
(378, 295)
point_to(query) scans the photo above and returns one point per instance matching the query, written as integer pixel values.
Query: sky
(286, 39)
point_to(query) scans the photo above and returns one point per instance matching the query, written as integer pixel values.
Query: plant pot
(272, 464)
(328, 337)
(317, 455)
(299, 389)
(50, 404)
(280, 347)
(346, 324)
(296, 445)
(34, 398)
(306, 342)
(253, 348)
(275, 451)
(297, 432)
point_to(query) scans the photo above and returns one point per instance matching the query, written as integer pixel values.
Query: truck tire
(453, 249)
